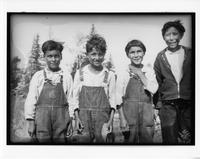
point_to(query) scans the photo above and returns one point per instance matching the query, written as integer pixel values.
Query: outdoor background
(29, 31)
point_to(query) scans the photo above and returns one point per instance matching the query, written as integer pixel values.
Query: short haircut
(51, 45)
(98, 42)
(133, 43)
(176, 24)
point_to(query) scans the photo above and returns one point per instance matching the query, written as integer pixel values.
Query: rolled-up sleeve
(152, 84)
(31, 100)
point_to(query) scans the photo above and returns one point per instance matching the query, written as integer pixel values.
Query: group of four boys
(95, 94)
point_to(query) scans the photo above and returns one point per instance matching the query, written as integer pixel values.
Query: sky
(117, 29)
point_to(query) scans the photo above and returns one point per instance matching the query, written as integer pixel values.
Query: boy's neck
(54, 70)
(95, 69)
(137, 66)
(174, 49)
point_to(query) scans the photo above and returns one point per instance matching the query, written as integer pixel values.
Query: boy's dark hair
(51, 45)
(97, 42)
(133, 43)
(177, 24)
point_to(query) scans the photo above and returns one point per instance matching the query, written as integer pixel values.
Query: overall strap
(106, 77)
(61, 78)
(81, 74)
(45, 76)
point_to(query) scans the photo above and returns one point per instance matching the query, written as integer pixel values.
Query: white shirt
(95, 80)
(123, 79)
(175, 60)
(36, 85)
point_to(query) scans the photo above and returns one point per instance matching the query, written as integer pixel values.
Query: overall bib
(52, 115)
(138, 112)
(94, 111)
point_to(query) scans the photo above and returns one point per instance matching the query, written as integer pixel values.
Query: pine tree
(15, 73)
(33, 63)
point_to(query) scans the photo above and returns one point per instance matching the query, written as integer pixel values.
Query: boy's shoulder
(161, 52)
(187, 49)
(38, 73)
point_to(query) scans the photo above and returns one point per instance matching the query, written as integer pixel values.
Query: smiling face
(53, 59)
(172, 38)
(136, 55)
(96, 58)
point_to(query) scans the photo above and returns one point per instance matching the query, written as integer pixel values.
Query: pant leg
(43, 125)
(133, 138)
(147, 123)
(85, 118)
(185, 122)
(131, 113)
(168, 117)
(60, 121)
(99, 118)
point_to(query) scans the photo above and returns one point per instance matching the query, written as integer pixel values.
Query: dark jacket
(168, 87)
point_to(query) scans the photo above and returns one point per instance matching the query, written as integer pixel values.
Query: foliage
(15, 72)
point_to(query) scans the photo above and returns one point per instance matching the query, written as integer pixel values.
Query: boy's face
(172, 38)
(96, 58)
(136, 55)
(53, 59)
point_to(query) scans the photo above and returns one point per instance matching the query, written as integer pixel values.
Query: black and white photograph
(101, 79)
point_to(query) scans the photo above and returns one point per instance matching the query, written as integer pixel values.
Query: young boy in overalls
(134, 96)
(94, 94)
(173, 68)
(49, 98)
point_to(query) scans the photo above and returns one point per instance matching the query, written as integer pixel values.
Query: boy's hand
(123, 124)
(136, 71)
(110, 125)
(31, 128)
(78, 125)
(69, 128)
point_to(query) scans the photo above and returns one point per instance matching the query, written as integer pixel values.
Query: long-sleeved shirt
(123, 79)
(175, 60)
(95, 80)
(36, 85)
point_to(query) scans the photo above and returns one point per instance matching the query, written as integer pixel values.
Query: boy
(134, 96)
(174, 75)
(50, 92)
(94, 94)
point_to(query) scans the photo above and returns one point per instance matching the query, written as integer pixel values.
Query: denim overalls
(138, 111)
(94, 111)
(52, 115)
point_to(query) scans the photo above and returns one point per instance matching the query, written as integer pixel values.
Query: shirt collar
(60, 72)
(179, 51)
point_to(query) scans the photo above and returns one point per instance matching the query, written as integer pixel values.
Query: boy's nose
(53, 58)
(171, 37)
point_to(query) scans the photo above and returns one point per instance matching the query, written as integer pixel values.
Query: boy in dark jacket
(174, 75)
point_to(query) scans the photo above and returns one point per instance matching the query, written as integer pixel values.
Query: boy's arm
(31, 100)
(70, 95)
(30, 105)
(159, 80)
(151, 82)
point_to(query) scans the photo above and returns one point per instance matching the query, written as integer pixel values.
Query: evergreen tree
(15, 73)
(33, 63)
